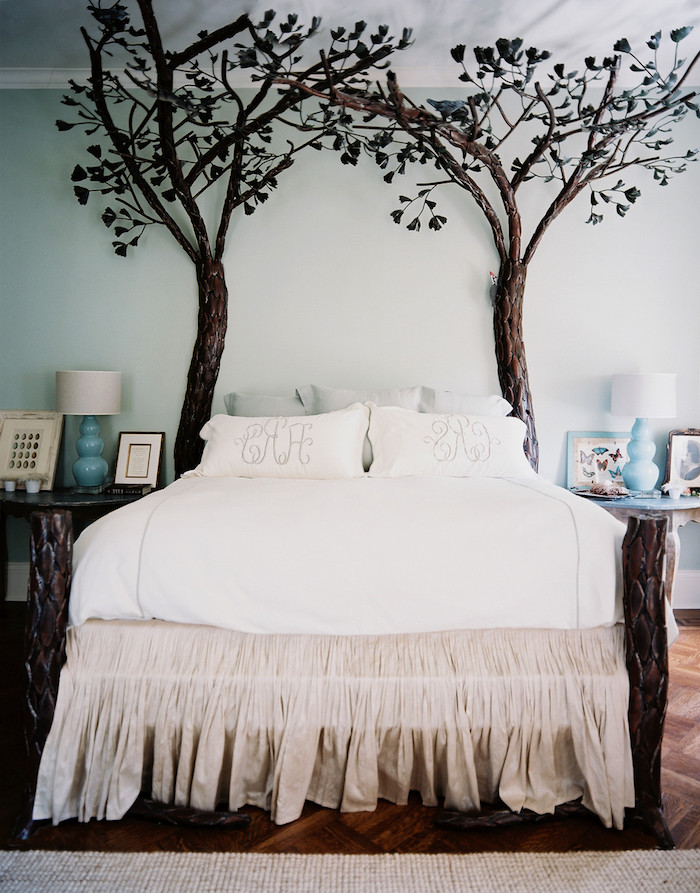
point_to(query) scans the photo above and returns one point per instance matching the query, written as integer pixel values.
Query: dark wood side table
(677, 511)
(84, 507)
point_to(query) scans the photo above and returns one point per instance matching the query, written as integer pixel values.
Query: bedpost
(51, 546)
(643, 554)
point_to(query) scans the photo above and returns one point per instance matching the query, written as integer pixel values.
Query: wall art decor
(29, 444)
(138, 458)
(594, 457)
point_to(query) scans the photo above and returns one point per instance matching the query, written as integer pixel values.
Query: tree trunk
(204, 367)
(510, 350)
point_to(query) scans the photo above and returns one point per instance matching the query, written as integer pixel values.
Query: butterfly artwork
(595, 457)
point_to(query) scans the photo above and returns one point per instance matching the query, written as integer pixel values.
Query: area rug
(636, 871)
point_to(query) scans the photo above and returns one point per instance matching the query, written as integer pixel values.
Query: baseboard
(686, 594)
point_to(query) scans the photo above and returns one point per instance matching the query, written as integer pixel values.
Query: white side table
(677, 511)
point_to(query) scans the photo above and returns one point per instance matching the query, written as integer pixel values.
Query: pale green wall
(325, 288)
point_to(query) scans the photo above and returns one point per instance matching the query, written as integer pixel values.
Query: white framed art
(594, 457)
(138, 457)
(29, 444)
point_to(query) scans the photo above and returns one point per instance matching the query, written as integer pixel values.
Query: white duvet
(353, 556)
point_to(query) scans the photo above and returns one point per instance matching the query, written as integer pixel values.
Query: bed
(353, 596)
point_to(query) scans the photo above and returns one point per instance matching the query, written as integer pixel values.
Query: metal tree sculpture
(173, 126)
(577, 140)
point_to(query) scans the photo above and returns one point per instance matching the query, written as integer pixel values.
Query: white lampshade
(89, 393)
(647, 395)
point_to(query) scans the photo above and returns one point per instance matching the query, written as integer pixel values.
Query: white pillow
(319, 399)
(255, 405)
(449, 401)
(323, 446)
(451, 444)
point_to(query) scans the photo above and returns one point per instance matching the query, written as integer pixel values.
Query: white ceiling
(41, 45)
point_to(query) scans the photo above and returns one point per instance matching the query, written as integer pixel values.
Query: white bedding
(353, 557)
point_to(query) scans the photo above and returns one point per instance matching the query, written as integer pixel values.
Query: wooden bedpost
(643, 554)
(51, 549)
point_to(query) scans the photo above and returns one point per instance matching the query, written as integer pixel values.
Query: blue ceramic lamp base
(640, 474)
(90, 469)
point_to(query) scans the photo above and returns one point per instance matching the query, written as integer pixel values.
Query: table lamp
(644, 395)
(89, 394)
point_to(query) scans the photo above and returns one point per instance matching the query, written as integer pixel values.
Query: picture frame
(139, 456)
(683, 459)
(29, 445)
(594, 457)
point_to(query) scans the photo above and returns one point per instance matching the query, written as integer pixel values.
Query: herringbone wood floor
(390, 829)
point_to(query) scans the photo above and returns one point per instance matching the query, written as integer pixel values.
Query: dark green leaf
(679, 34)
(82, 194)
(622, 46)
(457, 52)
(78, 174)
(64, 125)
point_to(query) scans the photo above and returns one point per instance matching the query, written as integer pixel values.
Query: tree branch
(164, 117)
(115, 136)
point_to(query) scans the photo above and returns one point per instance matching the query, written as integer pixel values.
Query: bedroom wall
(325, 288)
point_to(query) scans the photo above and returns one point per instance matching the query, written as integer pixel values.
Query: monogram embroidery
(280, 438)
(455, 434)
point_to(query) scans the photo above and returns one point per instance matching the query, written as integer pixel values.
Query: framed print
(138, 458)
(594, 457)
(29, 443)
(683, 459)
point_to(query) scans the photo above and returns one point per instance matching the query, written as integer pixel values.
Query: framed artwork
(138, 458)
(29, 443)
(683, 459)
(594, 457)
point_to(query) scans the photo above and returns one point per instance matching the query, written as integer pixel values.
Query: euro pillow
(433, 400)
(255, 405)
(319, 399)
(325, 446)
(450, 444)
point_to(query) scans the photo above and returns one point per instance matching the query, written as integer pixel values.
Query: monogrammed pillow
(405, 442)
(321, 446)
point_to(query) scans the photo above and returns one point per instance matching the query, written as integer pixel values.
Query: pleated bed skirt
(204, 717)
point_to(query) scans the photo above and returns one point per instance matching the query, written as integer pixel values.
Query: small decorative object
(29, 443)
(595, 457)
(32, 485)
(609, 490)
(644, 396)
(683, 463)
(89, 394)
(138, 459)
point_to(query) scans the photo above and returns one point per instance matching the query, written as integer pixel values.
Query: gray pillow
(257, 405)
(476, 404)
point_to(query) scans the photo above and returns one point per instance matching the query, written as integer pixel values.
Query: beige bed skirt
(199, 716)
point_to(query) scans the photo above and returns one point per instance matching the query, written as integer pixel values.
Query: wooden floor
(390, 829)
